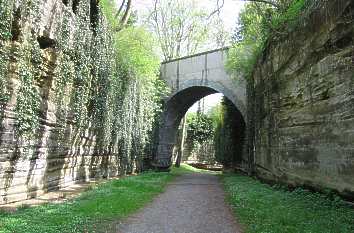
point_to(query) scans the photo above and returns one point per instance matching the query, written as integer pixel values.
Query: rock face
(58, 125)
(303, 103)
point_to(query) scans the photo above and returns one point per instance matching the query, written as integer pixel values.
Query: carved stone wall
(67, 139)
(304, 103)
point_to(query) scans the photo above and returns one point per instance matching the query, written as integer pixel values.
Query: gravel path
(193, 203)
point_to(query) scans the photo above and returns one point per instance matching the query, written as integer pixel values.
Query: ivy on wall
(105, 85)
(28, 99)
(29, 66)
(5, 36)
(5, 19)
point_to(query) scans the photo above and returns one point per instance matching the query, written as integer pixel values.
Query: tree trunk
(127, 13)
(120, 9)
(183, 137)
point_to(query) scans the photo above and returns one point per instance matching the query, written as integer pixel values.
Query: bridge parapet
(190, 79)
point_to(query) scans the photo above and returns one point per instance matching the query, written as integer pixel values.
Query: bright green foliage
(133, 100)
(109, 10)
(291, 16)
(261, 208)
(257, 23)
(199, 140)
(250, 38)
(96, 209)
(200, 128)
(135, 52)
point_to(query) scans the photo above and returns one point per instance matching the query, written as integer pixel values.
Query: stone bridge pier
(190, 79)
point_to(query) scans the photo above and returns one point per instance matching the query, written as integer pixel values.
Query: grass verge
(93, 210)
(264, 209)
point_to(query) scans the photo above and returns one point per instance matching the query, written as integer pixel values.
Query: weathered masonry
(303, 103)
(190, 79)
(44, 35)
(299, 105)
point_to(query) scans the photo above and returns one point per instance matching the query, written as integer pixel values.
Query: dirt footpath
(193, 203)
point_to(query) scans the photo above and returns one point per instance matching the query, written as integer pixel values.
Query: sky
(229, 14)
(209, 102)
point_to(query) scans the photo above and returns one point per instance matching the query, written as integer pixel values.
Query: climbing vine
(5, 19)
(5, 36)
(101, 85)
(29, 66)
(83, 64)
(28, 99)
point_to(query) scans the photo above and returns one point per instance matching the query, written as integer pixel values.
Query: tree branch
(127, 12)
(265, 1)
(120, 9)
(218, 8)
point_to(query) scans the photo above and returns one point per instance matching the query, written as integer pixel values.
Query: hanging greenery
(28, 99)
(5, 19)
(5, 36)
(105, 83)
(29, 66)
(257, 23)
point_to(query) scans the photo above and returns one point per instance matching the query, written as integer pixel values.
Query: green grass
(264, 209)
(259, 207)
(95, 209)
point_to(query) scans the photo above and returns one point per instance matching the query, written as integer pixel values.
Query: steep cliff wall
(303, 102)
(68, 112)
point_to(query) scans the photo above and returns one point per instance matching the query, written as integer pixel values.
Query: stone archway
(175, 108)
(190, 79)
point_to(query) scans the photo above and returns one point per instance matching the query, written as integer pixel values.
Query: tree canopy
(258, 21)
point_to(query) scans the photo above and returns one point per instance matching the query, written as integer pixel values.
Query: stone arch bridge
(190, 79)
